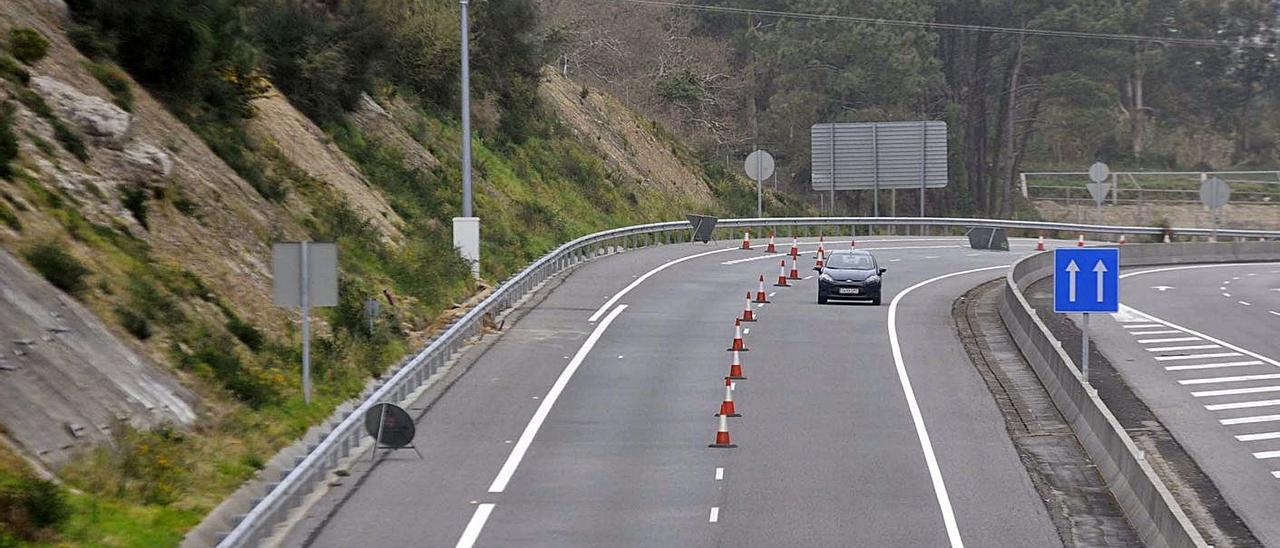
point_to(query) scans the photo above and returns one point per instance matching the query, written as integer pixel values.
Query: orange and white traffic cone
(795, 246)
(1040, 243)
(782, 274)
(760, 296)
(748, 315)
(817, 265)
(771, 248)
(746, 239)
(735, 369)
(722, 435)
(821, 248)
(853, 240)
(1080, 241)
(738, 345)
(726, 406)
(795, 272)
(1123, 240)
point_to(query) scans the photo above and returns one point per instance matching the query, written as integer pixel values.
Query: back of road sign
(1086, 279)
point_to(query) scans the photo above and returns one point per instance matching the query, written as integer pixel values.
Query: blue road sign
(1086, 280)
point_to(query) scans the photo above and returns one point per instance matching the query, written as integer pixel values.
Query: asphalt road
(1199, 345)
(570, 432)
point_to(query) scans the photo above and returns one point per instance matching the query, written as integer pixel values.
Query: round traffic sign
(1098, 172)
(389, 425)
(1214, 193)
(759, 165)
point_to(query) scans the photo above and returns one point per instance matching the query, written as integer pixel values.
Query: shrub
(30, 505)
(246, 333)
(57, 266)
(8, 140)
(10, 70)
(27, 45)
(116, 82)
(70, 139)
(136, 324)
(9, 218)
(134, 199)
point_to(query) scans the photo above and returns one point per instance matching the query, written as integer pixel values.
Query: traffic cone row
(1080, 241)
(1040, 243)
(760, 296)
(746, 239)
(1123, 240)
(737, 345)
(795, 272)
(817, 265)
(782, 274)
(771, 248)
(748, 315)
(795, 247)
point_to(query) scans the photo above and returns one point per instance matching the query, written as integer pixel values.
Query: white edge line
(719, 473)
(614, 299)
(472, 532)
(544, 408)
(931, 460)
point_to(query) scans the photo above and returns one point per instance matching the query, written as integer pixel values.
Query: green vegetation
(134, 199)
(116, 82)
(8, 140)
(28, 45)
(62, 269)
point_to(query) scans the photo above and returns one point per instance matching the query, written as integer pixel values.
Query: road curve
(572, 432)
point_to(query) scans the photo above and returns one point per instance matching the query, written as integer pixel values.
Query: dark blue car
(850, 274)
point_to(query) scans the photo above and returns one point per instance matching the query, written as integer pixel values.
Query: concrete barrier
(1144, 499)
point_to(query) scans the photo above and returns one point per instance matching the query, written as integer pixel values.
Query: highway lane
(828, 452)
(1198, 344)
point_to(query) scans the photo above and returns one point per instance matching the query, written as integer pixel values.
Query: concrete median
(1143, 497)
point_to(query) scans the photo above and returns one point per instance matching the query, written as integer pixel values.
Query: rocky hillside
(155, 373)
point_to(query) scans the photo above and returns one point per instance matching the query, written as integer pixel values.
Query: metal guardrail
(338, 443)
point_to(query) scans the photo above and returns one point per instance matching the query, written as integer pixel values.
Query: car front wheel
(822, 299)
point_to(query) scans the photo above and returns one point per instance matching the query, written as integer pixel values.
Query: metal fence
(273, 508)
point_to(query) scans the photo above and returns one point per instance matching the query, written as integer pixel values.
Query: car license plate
(848, 291)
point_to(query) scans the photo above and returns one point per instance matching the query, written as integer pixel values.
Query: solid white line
(1198, 356)
(1273, 312)
(614, 299)
(1140, 325)
(1276, 474)
(931, 460)
(1211, 365)
(1157, 332)
(1250, 420)
(715, 514)
(1246, 303)
(472, 532)
(1242, 405)
(1177, 348)
(1238, 349)
(526, 438)
(719, 473)
(1169, 340)
(1266, 455)
(1259, 436)
(1236, 391)
(1241, 378)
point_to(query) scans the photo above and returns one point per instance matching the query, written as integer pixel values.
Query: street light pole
(466, 229)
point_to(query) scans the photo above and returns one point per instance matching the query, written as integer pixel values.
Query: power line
(1171, 40)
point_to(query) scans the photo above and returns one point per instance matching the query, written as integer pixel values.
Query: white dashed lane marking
(1198, 356)
(1240, 378)
(1212, 365)
(1168, 340)
(1235, 391)
(1250, 420)
(1184, 348)
(1242, 405)
(1259, 437)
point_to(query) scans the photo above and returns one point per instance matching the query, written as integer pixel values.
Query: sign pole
(1084, 350)
(875, 180)
(759, 185)
(305, 301)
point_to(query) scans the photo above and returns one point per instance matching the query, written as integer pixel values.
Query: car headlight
(825, 277)
(872, 279)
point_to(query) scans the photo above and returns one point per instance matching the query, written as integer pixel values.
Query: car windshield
(849, 261)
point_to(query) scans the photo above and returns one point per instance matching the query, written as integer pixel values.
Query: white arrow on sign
(1162, 288)
(1072, 268)
(1100, 269)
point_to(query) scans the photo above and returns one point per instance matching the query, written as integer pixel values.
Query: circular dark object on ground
(397, 427)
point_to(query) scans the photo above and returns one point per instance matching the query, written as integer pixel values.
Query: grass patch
(27, 44)
(57, 266)
(134, 199)
(115, 80)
